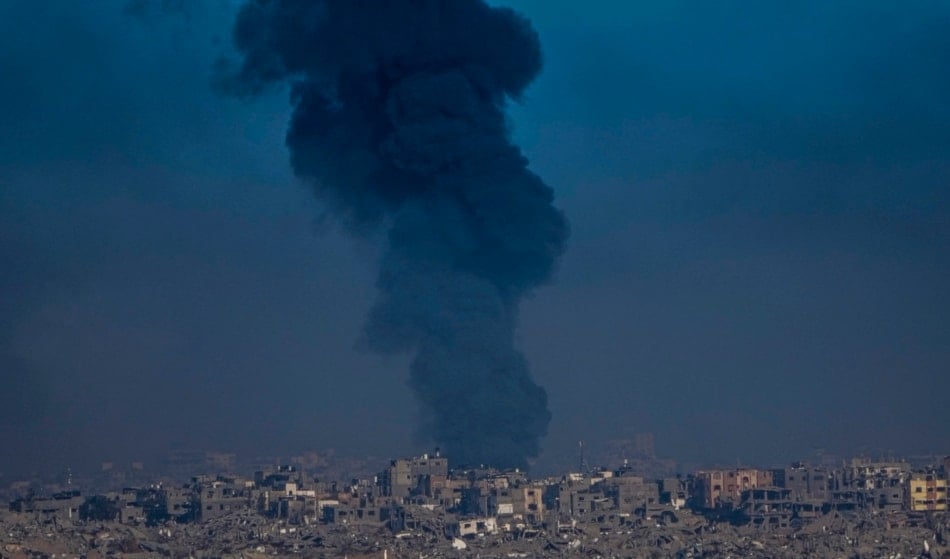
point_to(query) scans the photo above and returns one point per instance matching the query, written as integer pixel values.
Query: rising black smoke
(399, 124)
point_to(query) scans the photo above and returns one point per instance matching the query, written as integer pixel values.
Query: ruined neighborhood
(349, 279)
(425, 506)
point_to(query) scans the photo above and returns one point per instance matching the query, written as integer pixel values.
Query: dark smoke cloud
(399, 125)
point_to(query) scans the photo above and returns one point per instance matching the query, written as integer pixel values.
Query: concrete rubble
(249, 535)
(419, 508)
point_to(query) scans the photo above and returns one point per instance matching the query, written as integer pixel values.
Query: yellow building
(927, 492)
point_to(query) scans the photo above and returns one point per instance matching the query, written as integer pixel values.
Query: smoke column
(399, 125)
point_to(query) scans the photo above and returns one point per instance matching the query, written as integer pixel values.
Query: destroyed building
(404, 477)
(420, 503)
(715, 489)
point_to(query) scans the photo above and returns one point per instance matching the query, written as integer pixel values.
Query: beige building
(927, 492)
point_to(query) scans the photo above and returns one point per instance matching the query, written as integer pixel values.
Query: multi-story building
(805, 483)
(221, 495)
(718, 488)
(64, 505)
(872, 484)
(403, 476)
(630, 493)
(533, 503)
(927, 491)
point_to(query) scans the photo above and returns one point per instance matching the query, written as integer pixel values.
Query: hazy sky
(759, 197)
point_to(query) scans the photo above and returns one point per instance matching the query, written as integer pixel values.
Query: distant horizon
(335, 461)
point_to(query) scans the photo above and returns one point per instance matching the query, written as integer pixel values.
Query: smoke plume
(399, 125)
